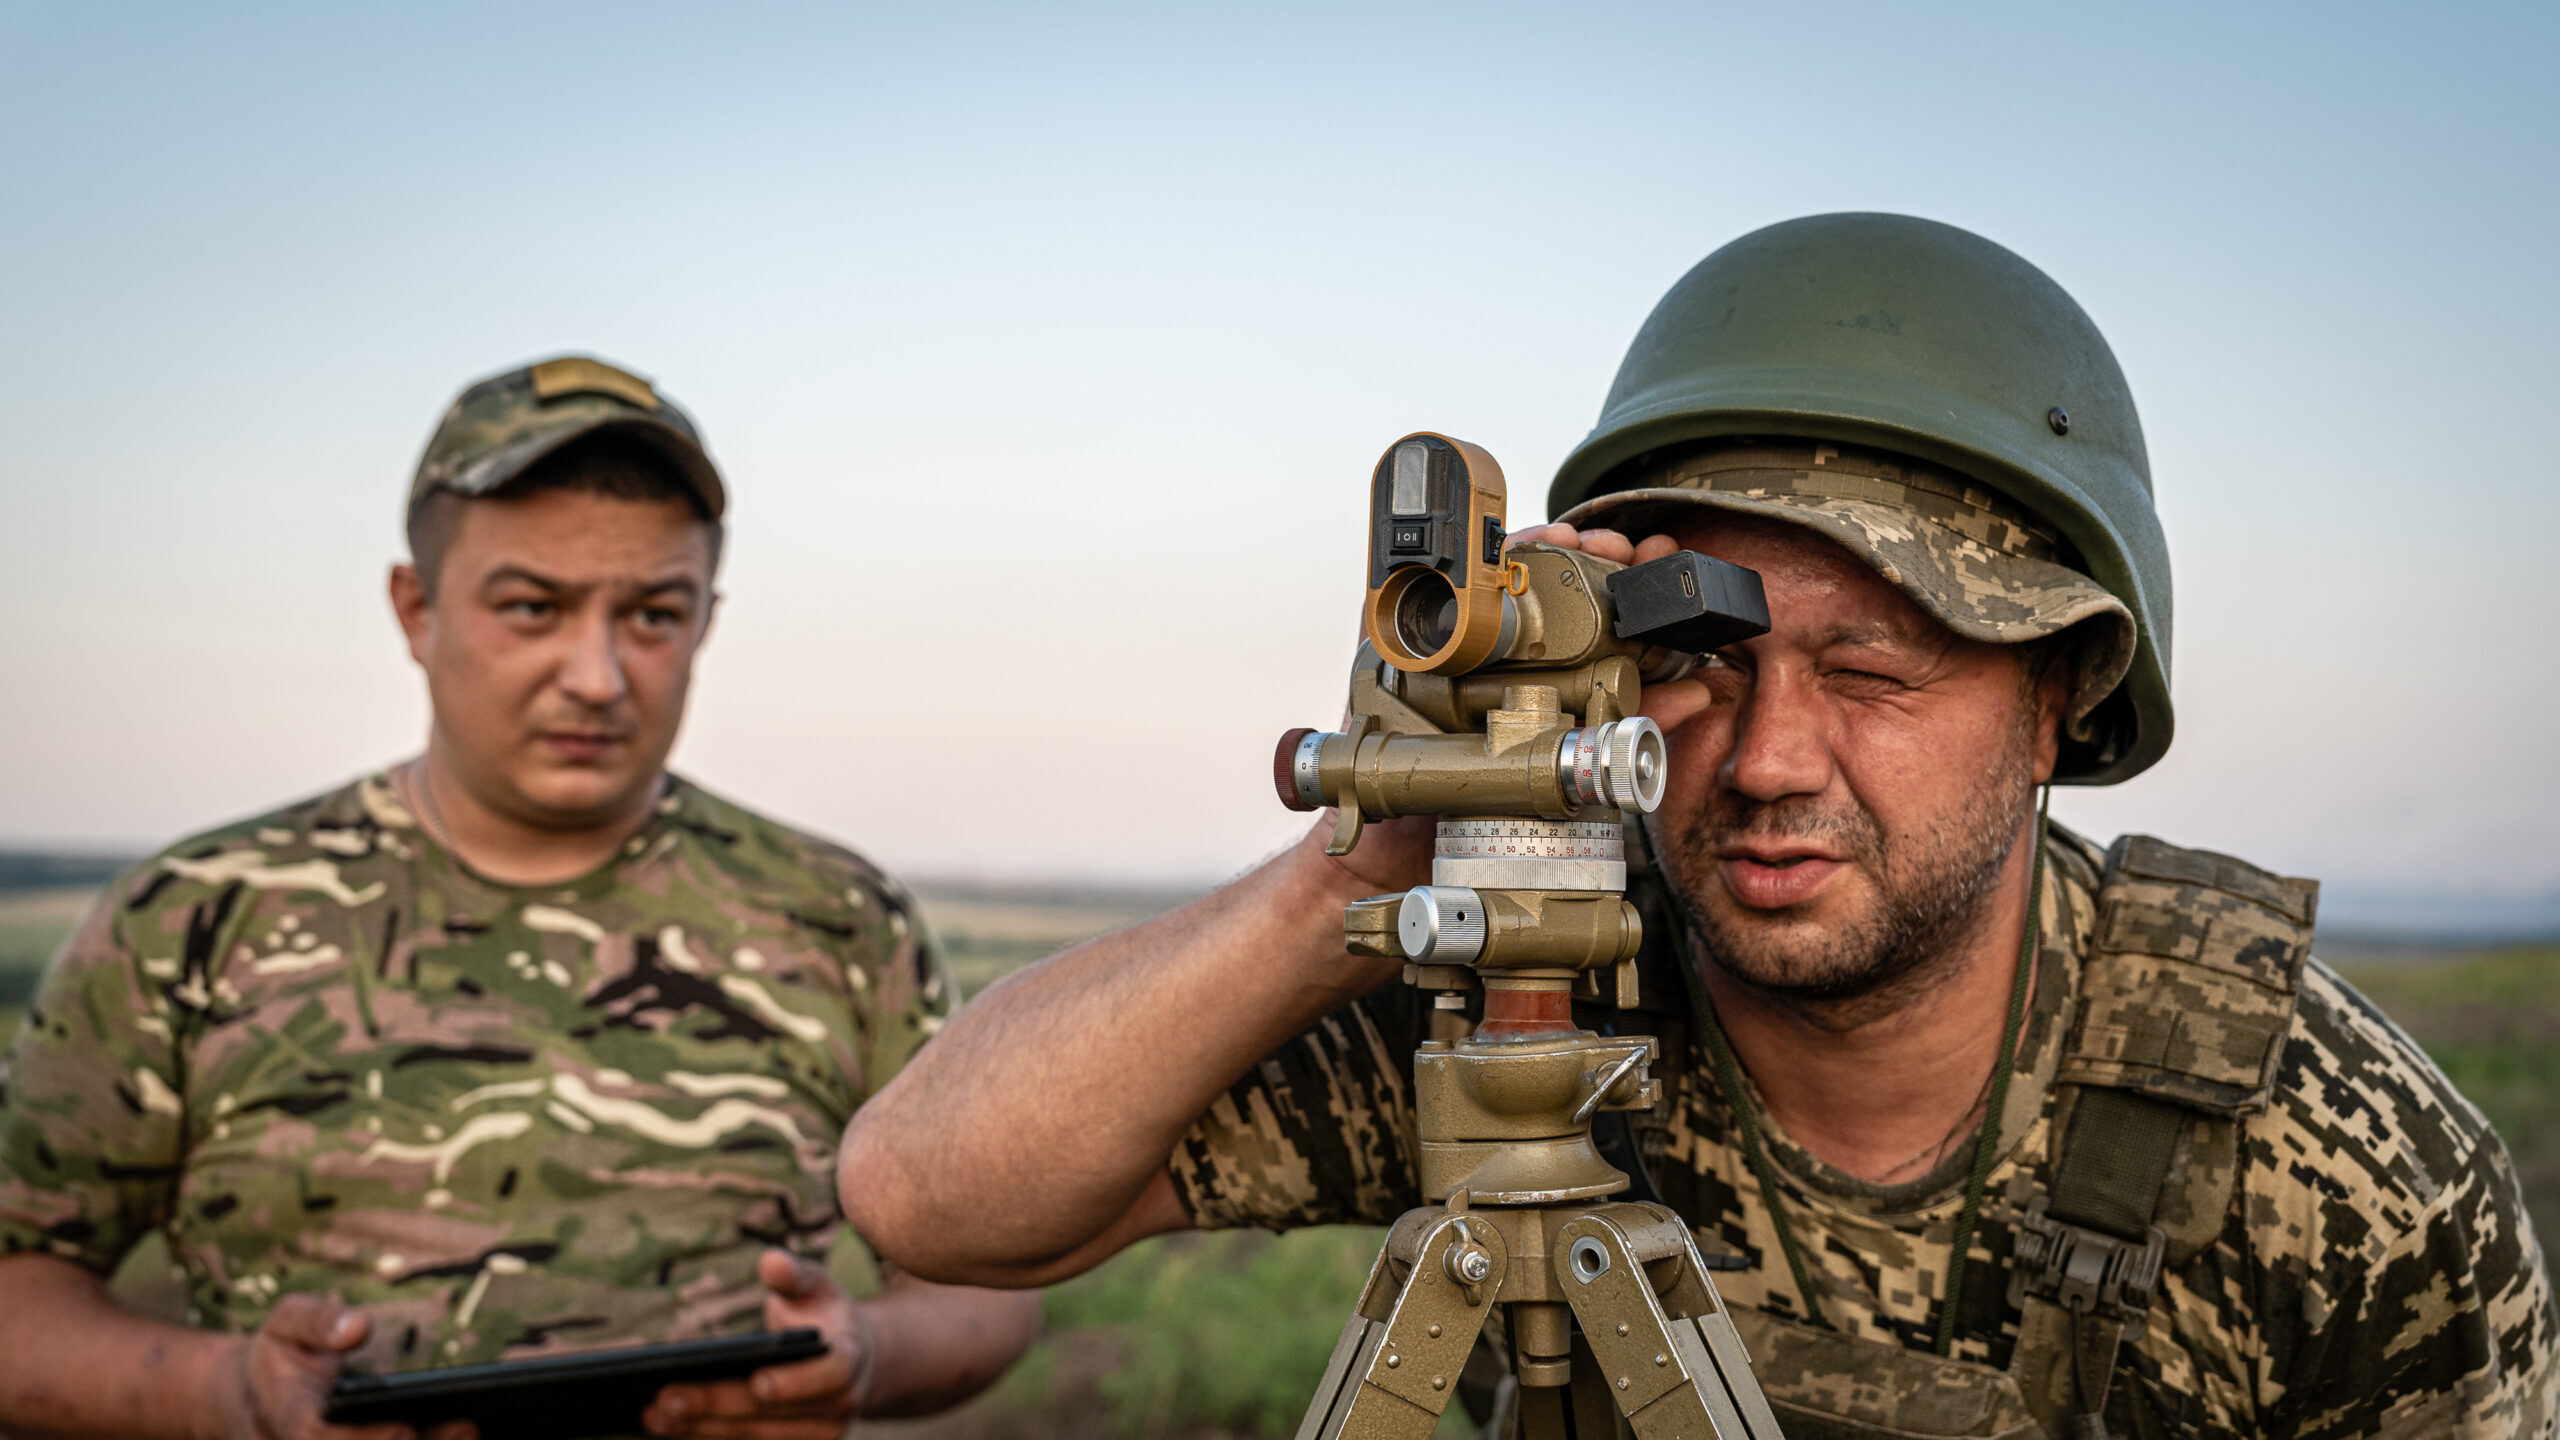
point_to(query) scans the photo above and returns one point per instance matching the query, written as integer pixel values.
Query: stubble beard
(1932, 892)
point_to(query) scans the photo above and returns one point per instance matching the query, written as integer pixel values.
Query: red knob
(1284, 768)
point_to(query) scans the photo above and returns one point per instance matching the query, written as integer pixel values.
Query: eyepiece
(1688, 601)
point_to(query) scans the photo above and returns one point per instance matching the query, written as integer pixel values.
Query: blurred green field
(2491, 1019)
(984, 931)
(1192, 1337)
(32, 922)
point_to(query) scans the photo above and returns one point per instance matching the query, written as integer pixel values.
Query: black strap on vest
(2089, 1244)
(2186, 996)
(2118, 1152)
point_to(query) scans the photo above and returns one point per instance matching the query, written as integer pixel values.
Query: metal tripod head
(1497, 692)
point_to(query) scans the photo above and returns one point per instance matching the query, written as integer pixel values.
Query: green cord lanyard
(1986, 1148)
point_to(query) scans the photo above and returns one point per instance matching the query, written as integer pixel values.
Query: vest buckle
(2086, 1271)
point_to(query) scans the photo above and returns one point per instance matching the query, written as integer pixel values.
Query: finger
(810, 1379)
(455, 1430)
(665, 1417)
(1674, 705)
(315, 1322)
(300, 1319)
(1654, 547)
(1609, 545)
(682, 1403)
(1564, 535)
(837, 1403)
(308, 1422)
(792, 1276)
(786, 1427)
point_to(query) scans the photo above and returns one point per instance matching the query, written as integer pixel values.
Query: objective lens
(1426, 613)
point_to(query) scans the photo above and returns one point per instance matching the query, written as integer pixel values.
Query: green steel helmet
(1907, 336)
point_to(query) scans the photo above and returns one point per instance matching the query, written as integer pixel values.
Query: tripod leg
(1390, 1377)
(1351, 1356)
(1542, 1413)
(1580, 1409)
(1594, 1416)
(1666, 1376)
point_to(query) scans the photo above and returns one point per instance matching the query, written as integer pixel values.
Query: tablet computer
(594, 1392)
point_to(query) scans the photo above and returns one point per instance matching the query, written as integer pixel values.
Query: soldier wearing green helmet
(2012, 1134)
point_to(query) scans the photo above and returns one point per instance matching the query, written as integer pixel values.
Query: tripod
(1611, 1312)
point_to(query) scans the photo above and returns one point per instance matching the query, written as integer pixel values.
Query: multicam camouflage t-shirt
(322, 1056)
(2374, 1273)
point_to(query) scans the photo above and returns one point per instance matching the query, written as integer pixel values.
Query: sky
(1047, 350)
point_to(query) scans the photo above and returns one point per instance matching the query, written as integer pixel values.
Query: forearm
(1042, 1113)
(933, 1346)
(74, 1363)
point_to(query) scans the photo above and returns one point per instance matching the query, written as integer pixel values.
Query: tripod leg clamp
(1391, 1376)
(1683, 1375)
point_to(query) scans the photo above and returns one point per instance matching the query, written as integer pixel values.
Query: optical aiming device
(1497, 691)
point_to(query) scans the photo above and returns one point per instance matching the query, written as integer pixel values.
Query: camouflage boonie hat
(498, 428)
(1974, 559)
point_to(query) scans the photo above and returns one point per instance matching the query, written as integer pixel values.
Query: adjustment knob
(1622, 765)
(1634, 764)
(1441, 924)
(1294, 768)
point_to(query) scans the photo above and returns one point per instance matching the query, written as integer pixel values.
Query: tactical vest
(2185, 1000)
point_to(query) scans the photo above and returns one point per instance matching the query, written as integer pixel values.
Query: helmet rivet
(2060, 422)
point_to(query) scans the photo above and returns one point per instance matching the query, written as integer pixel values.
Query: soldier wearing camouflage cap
(2013, 1134)
(523, 1045)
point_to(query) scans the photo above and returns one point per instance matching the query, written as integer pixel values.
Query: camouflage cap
(499, 427)
(1980, 563)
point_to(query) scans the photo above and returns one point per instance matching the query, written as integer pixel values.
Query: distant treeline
(44, 870)
(1110, 894)
(2356, 922)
